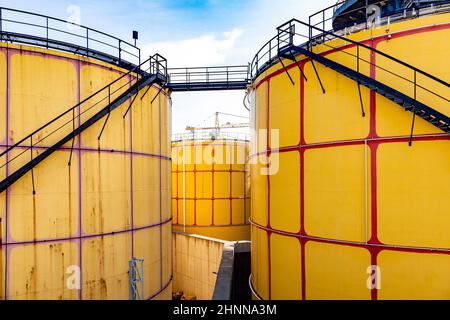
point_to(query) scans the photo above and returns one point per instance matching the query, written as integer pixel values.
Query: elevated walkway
(209, 78)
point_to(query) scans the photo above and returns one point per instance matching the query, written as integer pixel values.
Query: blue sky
(188, 33)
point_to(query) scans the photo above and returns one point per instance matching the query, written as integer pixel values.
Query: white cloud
(206, 50)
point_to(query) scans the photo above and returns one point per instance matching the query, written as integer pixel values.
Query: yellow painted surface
(107, 188)
(335, 193)
(209, 188)
(116, 134)
(347, 187)
(259, 117)
(41, 89)
(286, 273)
(148, 247)
(165, 295)
(146, 197)
(284, 194)
(2, 273)
(335, 115)
(284, 95)
(196, 263)
(2, 233)
(419, 216)
(391, 119)
(105, 269)
(259, 194)
(260, 262)
(106, 193)
(2, 98)
(336, 272)
(53, 211)
(403, 272)
(40, 271)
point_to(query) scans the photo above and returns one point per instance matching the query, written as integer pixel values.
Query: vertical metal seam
(130, 121)
(160, 192)
(80, 179)
(8, 195)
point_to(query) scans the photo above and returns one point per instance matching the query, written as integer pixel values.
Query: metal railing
(210, 135)
(264, 57)
(323, 20)
(67, 122)
(411, 80)
(209, 75)
(325, 17)
(24, 27)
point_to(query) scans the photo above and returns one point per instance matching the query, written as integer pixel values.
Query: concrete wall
(196, 263)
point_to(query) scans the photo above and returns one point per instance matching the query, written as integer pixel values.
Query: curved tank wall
(350, 198)
(210, 188)
(111, 204)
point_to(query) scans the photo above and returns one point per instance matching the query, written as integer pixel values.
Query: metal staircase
(287, 48)
(100, 104)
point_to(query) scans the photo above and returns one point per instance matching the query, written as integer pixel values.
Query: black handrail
(254, 65)
(257, 67)
(359, 44)
(157, 67)
(208, 74)
(86, 34)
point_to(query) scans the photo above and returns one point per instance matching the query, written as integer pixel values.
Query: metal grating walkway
(209, 78)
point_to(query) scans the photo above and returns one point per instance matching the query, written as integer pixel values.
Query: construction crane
(217, 127)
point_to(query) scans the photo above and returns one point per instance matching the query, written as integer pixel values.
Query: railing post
(367, 17)
(139, 50)
(415, 85)
(120, 51)
(32, 171)
(357, 58)
(257, 63)
(309, 26)
(291, 33)
(1, 24)
(323, 25)
(270, 50)
(87, 42)
(47, 29)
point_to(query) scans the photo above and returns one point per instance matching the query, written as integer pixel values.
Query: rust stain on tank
(70, 201)
(103, 289)
(34, 219)
(63, 276)
(101, 244)
(32, 287)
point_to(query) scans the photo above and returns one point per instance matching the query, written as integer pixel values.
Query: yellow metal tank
(210, 188)
(351, 211)
(87, 220)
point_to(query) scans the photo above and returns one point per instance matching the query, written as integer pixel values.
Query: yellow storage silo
(352, 209)
(210, 188)
(69, 231)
